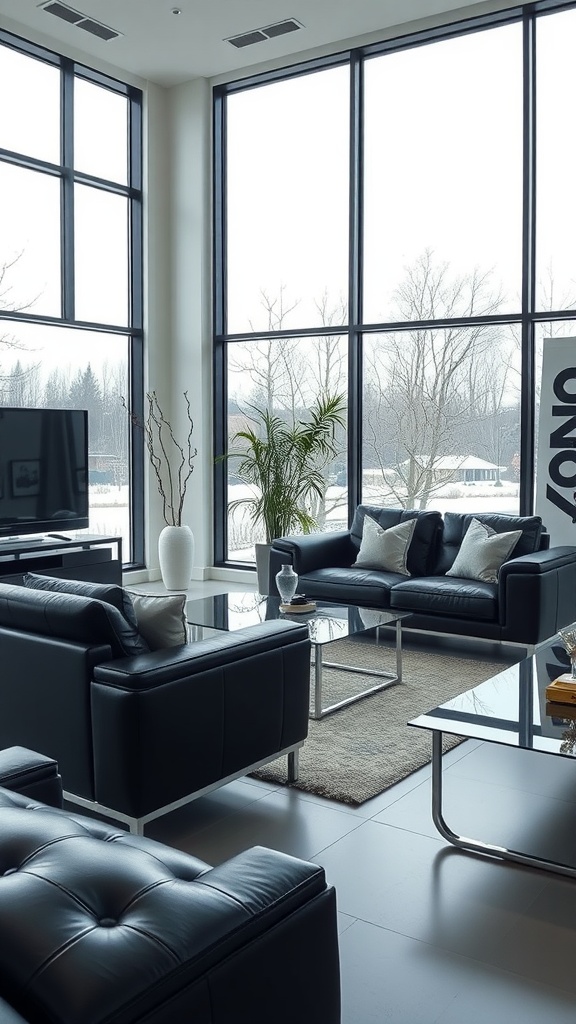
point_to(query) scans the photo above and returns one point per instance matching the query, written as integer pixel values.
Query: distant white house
(466, 469)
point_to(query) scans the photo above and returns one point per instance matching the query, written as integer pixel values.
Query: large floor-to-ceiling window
(397, 223)
(71, 264)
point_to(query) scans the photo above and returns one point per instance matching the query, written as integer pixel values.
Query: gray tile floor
(428, 935)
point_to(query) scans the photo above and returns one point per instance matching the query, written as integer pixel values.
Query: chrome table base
(476, 845)
(390, 678)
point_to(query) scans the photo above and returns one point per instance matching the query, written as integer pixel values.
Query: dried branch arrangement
(172, 462)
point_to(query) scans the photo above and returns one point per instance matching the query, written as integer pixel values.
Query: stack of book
(562, 690)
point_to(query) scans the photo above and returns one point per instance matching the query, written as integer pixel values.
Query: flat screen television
(43, 471)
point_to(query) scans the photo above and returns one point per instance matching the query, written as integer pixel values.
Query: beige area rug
(359, 751)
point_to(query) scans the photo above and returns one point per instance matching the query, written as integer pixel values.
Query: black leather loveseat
(98, 926)
(136, 734)
(533, 596)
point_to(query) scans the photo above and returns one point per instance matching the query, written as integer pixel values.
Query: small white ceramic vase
(176, 556)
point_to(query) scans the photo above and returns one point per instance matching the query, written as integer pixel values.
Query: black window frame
(133, 332)
(527, 316)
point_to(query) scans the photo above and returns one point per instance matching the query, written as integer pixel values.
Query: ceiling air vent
(247, 39)
(258, 35)
(102, 31)
(281, 28)
(73, 17)
(65, 13)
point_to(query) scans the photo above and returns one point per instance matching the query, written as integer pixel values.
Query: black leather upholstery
(69, 617)
(423, 550)
(351, 585)
(137, 734)
(97, 925)
(535, 594)
(457, 523)
(25, 771)
(445, 595)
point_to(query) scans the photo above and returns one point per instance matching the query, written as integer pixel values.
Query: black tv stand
(88, 557)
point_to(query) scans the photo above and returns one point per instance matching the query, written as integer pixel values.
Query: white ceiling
(168, 49)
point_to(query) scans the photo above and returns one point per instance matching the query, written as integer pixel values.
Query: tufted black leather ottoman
(98, 925)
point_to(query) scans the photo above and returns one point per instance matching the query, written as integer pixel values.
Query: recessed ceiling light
(175, 10)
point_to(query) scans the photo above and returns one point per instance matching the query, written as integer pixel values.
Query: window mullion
(67, 192)
(527, 410)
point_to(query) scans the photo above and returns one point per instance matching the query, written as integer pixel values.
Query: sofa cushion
(368, 587)
(423, 550)
(385, 549)
(482, 552)
(68, 617)
(441, 595)
(161, 618)
(457, 523)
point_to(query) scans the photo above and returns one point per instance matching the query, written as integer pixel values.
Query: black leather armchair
(137, 736)
(98, 926)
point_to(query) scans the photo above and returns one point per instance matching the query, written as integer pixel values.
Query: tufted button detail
(10, 871)
(107, 922)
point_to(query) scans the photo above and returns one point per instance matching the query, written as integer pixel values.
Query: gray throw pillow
(161, 619)
(482, 552)
(385, 549)
(131, 640)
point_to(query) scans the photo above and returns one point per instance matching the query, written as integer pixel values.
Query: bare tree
(425, 387)
(8, 340)
(266, 365)
(115, 425)
(288, 374)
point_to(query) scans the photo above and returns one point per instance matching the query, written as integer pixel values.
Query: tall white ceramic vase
(176, 556)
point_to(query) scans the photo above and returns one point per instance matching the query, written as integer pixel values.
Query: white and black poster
(556, 447)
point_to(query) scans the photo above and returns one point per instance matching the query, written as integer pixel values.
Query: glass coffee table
(329, 622)
(509, 708)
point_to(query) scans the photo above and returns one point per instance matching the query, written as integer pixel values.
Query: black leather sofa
(138, 735)
(98, 926)
(535, 593)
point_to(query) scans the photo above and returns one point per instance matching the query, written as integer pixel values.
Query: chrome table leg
(390, 678)
(476, 845)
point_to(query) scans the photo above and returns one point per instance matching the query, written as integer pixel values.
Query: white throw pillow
(160, 618)
(482, 552)
(385, 549)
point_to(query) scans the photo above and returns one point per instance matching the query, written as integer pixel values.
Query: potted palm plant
(283, 463)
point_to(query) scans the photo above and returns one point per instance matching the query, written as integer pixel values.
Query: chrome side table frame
(391, 678)
(476, 845)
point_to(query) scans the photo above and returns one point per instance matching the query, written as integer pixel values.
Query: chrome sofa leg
(293, 766)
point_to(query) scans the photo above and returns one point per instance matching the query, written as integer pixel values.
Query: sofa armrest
(31, 774)
(311, 551)
(540, 561)
(537, 594)
(108, 929)
(158, 668)
(174, 722)
(291, 914)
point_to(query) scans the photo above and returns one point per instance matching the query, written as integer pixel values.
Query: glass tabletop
(511, 707)
(328, 622)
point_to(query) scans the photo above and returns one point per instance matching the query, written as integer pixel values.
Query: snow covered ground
(109, 515)
(467, 498)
